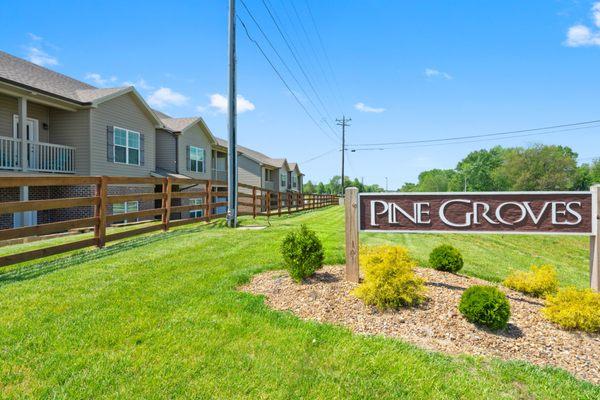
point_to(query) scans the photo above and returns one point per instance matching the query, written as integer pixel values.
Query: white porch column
(24, 218)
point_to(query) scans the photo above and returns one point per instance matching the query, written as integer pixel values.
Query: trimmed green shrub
(485, 305)
(574, 308)
(538, 282)
(446, 258)
(302, 253)
(390, 281)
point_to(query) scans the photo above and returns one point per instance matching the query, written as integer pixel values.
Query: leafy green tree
(475, 172)
(309, 187)
(539, 167)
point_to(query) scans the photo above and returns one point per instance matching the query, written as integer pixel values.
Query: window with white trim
(294, 181)
(196, 213)
(126, 146)
(197, 159)
(127, 207)
(283, 178)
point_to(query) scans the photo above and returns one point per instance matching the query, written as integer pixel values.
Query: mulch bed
(437, 324)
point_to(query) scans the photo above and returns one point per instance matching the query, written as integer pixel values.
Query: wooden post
(289, 202)
(209, 199)
(254, 202)
(268, 204)
(101, 209)
(167, 190)
(279, 204)
(351, 205)
(594, 240)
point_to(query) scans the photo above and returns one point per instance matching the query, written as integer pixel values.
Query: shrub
(539, 282)
(485, 305)
(302, 253)
(390, 281)
(574, 308)
(446, 258)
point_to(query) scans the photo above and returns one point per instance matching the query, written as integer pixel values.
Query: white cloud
(98, 80)
(167, 97)
(34, 37)
(38, 56)
(365, 108)
(581, 35)
(434, 73)
(218, 103)
(141, 84)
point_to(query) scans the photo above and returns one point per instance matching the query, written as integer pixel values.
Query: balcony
(41, 157)
(219, 175)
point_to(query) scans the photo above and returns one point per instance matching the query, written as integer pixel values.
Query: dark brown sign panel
(524, 212)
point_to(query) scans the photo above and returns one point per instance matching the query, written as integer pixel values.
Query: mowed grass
(159, 317)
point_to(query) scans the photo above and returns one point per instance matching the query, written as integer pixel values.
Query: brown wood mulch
(437, 324)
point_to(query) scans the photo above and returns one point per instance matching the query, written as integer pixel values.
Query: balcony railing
(219, 175)
(41, 157)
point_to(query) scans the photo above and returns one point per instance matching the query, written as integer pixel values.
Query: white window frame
(197, 213)
(294, 181)
(139, 148)
(283, 179)
(197, 149)
(128, 206)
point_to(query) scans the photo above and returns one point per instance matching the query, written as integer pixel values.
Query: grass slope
(159, 317)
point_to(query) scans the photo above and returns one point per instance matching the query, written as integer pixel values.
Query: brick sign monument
(564, 213)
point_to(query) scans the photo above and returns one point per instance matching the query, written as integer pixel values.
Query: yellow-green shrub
(540, 281)
(390, 281)
(574, 308)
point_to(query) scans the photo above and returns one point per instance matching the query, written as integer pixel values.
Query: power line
(319, 156)
(287, 42)
(322, 43)
(281, 77)
(279, 56)
(473, 141)
(474, 136)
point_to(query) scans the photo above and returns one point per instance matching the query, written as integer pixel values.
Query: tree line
(334, 186)
(539, 167)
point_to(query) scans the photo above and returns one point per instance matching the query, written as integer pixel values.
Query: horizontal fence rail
(167, 202)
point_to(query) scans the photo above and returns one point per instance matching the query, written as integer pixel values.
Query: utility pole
(344, 122)
(232, 181)
(386, 183)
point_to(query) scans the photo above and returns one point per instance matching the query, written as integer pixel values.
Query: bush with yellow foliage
(390, 281)
(538, 282)
(574, 308)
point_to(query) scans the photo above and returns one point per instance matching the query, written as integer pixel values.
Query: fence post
(595, 240)
(209, 199)
(254, 202)
(289, 202)
(268, 204)
(352, 243)
(167, 189)
(100, 212)
(279, 204)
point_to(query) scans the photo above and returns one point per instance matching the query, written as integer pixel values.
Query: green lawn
(158, 317)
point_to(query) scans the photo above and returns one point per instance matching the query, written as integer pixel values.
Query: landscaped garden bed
(437, 323)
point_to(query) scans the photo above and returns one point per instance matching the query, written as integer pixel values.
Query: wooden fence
(166, 193)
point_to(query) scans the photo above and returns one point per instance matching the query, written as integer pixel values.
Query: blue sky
(405, 70)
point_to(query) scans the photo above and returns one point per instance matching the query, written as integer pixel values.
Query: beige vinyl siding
(125, 112)
(249, 171)
(166, 151)
(195, 136)
(73, 129)
(9, 107)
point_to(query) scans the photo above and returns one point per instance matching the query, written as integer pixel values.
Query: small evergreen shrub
(390, 281)
(302, 253)
(574, 308)
(485, 305)
(539, 282)
(446, 258)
